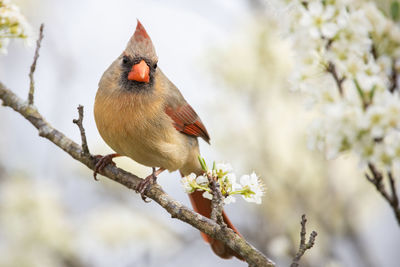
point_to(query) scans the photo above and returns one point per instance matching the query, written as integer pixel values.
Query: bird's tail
(203, 206)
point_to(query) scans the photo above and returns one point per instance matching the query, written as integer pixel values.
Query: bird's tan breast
(138, 127)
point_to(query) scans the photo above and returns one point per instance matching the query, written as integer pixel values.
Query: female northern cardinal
(142, 115)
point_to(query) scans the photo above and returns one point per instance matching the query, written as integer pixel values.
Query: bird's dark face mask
(137, 74)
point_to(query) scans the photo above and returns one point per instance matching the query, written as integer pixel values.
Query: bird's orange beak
(140, 72)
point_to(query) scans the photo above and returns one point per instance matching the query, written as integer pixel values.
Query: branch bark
(251, 255)
(33, 66)
(217, 203)
(377, 180)
(79, 122)
(393, 77)
(303, 245)
(331, 68)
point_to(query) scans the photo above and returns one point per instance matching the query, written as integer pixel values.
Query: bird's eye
(155, 66)
(125, 60)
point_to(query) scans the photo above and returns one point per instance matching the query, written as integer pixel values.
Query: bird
(142, 115)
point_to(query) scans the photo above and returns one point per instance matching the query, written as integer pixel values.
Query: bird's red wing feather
(187, 121)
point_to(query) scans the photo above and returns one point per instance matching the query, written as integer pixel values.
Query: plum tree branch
(79, 122)
(331, 68)
(392, 198)
(216, 202)
(393, 77)
(251, 255)
(303, 245)
(376, 177)
(33, 66)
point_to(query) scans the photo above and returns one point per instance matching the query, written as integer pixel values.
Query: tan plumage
(135, 125)
(142, 115)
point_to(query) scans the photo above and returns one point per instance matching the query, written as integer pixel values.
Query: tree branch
(331, 68)
(79, 122)
(377, 180)
(303, 245)
(217, 203)
(393, 77)
(252, 256)
(33, 66)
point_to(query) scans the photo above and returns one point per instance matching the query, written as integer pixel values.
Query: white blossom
(346, 52)
(252, 183)
(223, 167)
(207, 195)
(202, 180)
(318, 19)
(250, 187)
(187, 183)
(12, 24)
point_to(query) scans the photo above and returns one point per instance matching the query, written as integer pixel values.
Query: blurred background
(231, 62)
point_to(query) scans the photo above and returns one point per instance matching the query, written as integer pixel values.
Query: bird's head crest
(140, 44)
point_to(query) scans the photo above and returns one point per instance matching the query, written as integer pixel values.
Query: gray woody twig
(331, 68)
(33, 66)
(79, 122)
(303, 245)
(393, 77)
(377, 180)
(217, 203)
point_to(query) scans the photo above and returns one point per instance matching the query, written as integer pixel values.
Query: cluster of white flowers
(12, 24)
(249, 186)
(348, 57)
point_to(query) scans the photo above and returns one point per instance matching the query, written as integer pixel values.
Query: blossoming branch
(249, 187)
(347, 64)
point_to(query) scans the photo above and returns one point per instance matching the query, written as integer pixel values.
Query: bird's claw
(143, 186)
(102, 162)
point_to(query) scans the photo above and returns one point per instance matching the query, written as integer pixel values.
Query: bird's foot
(102, 162)
(149, 180)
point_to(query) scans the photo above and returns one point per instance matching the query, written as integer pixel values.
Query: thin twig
(392, 198)
(217, 202)
(79, 122)
(374, 52)
(393, 77)
(392, 183)
(377, 180)
(33, 66)
(331, 68)
(303, 245)
(251, 255)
